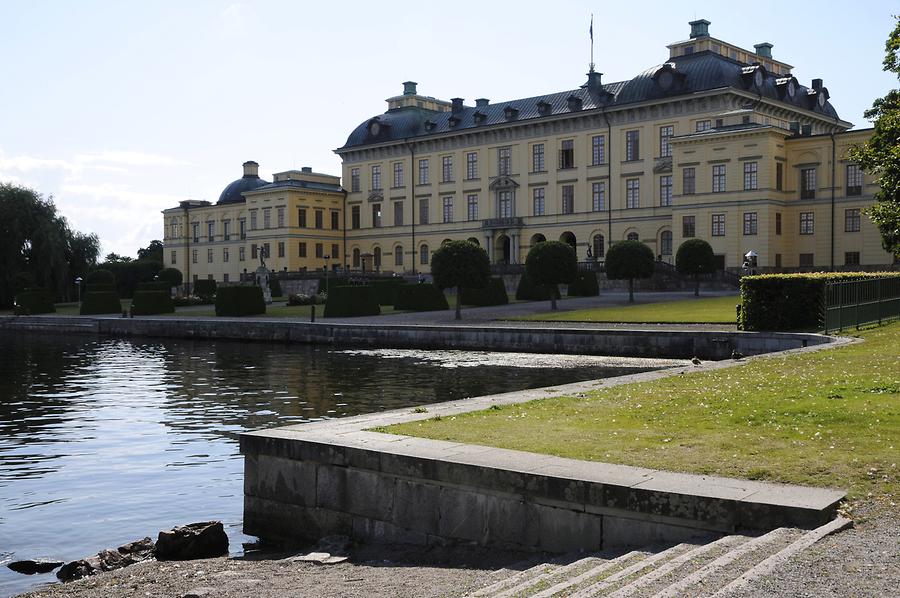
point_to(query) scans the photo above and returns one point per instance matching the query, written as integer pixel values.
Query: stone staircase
(714, 569)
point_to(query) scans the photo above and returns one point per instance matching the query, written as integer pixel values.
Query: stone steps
(715, 568)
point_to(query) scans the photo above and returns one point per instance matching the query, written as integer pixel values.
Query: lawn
(825, 418)
(706, 310)
(300, 312)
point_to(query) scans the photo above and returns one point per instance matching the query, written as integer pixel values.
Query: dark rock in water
(77, 569)
(137, 551)
(108, 560)
(193, 541)
(30, 567)
(111, 559)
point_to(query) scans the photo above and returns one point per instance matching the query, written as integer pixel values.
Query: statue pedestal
(262, 279)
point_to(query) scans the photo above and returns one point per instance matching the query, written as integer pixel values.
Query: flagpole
(592, 43)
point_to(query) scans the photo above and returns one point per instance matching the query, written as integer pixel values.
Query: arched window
(599, 248)
(423, 255)
(398, 255)
(665, 242)
(356, 260)
(633, 237)
(377, 257)
(445, 241)
(474, 240)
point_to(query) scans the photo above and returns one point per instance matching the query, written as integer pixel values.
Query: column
(487, 246)
(514, 248)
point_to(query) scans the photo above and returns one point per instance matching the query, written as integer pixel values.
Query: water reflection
(105, 440)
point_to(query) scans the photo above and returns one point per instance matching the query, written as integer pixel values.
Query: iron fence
(858, 302)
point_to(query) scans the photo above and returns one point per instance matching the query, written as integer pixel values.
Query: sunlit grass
(706, 310)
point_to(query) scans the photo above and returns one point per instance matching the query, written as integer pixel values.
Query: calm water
(103, 441)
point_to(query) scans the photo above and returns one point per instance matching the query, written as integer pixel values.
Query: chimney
(306, 169)
(699, 28)
(409, 88)
(594, 81)
(457, 104)
(481, 102)
(251, 170)
(763, 50)
(817, 85)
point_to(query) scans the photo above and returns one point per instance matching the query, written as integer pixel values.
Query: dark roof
(290, 183)
(234, 192)
(701, 71)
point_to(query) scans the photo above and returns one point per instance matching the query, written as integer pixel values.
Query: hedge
(100, 302)
(584, 285)
(420, 297)
(150, 302)
(205, 287)
(386, 290)
(492, 294)
(240, 301)
(156, 285)
(790, 301)
(101, 276)
(351, 301)
(529, 291)
(34, 301)
(333, 281)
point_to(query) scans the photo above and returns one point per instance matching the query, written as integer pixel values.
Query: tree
(115, 258)
(627, 260)
(695, 257)
(550, 263)
(880, 156)
(153, 251)
(460, 264)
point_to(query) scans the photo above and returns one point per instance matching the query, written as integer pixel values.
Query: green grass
(705, 310)
(826, 418)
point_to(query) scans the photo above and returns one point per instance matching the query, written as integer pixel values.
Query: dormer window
(543, 108)
(667, 78)
(453, 121)
(574, 103)
(430, 125)
(787, 87)
(480, 117)
(511, 113)
(753, 76)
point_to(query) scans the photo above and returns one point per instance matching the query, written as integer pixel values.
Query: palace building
(718, 142)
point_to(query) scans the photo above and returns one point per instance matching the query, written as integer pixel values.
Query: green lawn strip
(826, 418)
(281, 311)
(705, 310)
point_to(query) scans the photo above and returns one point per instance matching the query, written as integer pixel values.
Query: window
(750, 223)
(854, 179)
(718, 178)
(398, 255)
(851, 220)
(376, 178)
(599, 246)
(504, 160)
(398, 174)
(807, 223)
(851, 258)
(806, 260)
(632, 193)
(568, 199)
(174, 257)
(633, 237)
(398, 213)
(779, 176)
(376, 258)
(598, 196)
(356, 256)
(226, 230)
(718, 225)
(719, 122)
(174, 229)
(777, 223)
(225, 277)
(423, 211)
(267, 218)
(665, 190)
(253, 220)
(354, 217)
(376, 215)
(194, 256)
(301, 217)
(537, 158)
(807, 183)
(633, 145)
(320, 217)
(242, 226)
(538, 201)
(777, 260)
(320, 250)
(472, 207)
(195, 230)
(750, 176)
(254, 251)
(280, 248)
(423, 171)
(665, 133)
(665, 242)
(689, 181)
(302, 249)
(335, 251)
(448, 210)
(354, 180)
(209, 256)
(703, 125)
(242, 254)
(598, 149)
(447, 169)
(210, 231)
(567, 154)
(504, 204)
(688, 226)
(265, 249)
(423, 255)
(279, 216)
(471, 165)
(335, 220)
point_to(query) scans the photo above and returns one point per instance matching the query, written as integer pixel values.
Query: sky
(121, 109)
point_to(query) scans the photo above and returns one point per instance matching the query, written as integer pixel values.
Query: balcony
(508, 222)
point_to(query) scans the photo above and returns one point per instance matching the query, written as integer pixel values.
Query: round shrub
(550, 263)
(172, 276)
(240, 301)
(494, 293)
(627, 260)
(34, 301)
(528, 290)
(150, 302)
(420, 297)
(695, 257)
(351, 301)
(100, 302)
(585, 284)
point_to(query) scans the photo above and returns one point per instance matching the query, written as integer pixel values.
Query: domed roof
(234, 192)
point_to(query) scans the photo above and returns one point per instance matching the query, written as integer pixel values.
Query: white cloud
(128, 159)
(234, 20)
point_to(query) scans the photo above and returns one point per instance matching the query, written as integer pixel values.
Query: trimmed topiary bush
(351, 301)
(333, 281)
(205, 288)
(386, 290)
(695, 257)
(585, 284)
(529, 291)
(100, 302)
(240, 301)
(494, 293)
(460, 264)
(34, 301)
(550, 263)
(420, 297)
(150, 302)
(172, 276)
(627, 260)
